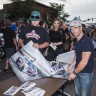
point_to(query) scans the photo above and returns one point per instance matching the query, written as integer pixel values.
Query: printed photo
(59, 68)
(26, 66)
(27, 84)
(12, 91)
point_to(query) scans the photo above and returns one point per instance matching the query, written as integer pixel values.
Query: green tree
(20, 9)
(58, 12)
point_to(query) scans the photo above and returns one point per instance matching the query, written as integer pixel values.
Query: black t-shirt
(36, 34)
(84, 45)
(9, 34)
(56, 36)
(65, 30)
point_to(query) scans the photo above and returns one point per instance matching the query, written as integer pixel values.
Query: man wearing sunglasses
(35, 33)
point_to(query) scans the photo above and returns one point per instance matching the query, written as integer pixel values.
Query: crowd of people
(64, 37)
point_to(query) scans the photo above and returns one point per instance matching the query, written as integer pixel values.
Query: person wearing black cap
(83, 61)
(35, 33)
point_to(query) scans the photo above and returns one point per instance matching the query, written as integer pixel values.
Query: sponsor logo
(33, 34)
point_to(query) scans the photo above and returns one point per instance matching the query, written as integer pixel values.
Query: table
(50, 85)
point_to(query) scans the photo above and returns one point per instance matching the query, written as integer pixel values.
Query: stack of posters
(28, 89)
(29, 64)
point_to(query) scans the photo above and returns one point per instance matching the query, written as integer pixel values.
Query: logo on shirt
(32, 34)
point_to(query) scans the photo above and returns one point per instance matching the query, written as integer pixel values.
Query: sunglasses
(35, 17)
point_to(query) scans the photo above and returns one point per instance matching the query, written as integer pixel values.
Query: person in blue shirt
(13, 25)
(83, 61)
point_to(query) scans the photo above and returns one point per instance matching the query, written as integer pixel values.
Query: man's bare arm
(83, 62)
(21, 42)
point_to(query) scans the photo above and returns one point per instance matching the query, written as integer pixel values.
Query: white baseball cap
(75, 23)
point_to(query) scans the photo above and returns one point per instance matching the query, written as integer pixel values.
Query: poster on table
(29, 64)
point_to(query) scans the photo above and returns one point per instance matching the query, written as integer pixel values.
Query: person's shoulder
(8, 29)
(87, 41)
(26, 27)
(42, 29)
(13, 27)
(51, 30)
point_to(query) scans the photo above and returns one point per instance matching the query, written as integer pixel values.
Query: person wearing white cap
(83, 61)
(35, 33)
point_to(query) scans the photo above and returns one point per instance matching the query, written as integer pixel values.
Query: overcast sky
(83, 8)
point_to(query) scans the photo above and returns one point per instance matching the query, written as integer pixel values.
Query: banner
(29, 64)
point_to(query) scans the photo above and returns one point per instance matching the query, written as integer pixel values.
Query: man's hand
(17, 48)
(68, 70)
(36, 45)
(71, 76)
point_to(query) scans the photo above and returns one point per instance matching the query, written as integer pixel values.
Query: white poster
(29, 64)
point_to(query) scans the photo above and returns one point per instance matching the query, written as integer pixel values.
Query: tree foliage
(58, 12)
(20, 9)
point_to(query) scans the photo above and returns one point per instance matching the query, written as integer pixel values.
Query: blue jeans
(83, 84)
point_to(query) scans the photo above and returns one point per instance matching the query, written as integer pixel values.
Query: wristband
(74, 73)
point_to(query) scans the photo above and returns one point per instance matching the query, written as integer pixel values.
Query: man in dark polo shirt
(83, 61)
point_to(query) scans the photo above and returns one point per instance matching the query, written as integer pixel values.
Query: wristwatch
(74, 73)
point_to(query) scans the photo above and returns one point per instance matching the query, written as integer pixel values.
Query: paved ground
(69, 88)
(3, 75)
